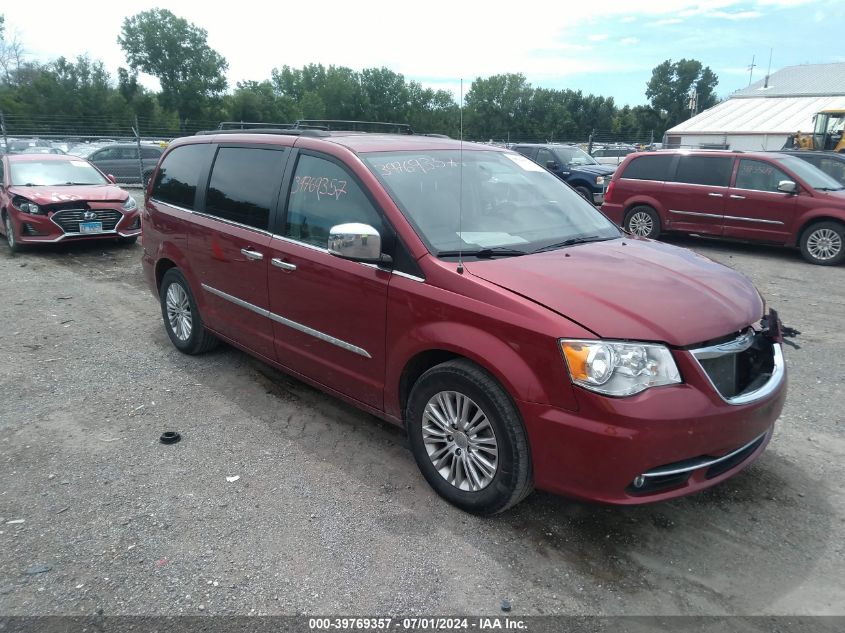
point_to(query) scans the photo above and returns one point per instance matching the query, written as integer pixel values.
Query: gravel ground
(329, 514)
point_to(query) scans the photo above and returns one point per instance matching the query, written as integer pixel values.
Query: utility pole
(751, 70)
(769, 71)
(137, 132)
(3, 129)
(692, 106)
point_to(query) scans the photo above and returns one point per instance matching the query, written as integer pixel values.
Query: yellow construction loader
(828, 127)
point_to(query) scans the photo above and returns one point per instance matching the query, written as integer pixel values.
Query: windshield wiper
(829, 188)
(77, 183)
(571, 242)
(485, 253)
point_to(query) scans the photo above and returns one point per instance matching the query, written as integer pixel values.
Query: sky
(605, 48)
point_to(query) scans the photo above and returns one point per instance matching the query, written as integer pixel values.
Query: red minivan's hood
(632, 289)
(69, 193)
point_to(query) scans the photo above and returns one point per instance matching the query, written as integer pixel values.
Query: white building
(764, 115)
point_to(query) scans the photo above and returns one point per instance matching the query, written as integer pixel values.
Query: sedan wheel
(10, 234)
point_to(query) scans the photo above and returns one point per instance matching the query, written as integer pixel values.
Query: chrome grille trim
(702, 462)
(68, 219)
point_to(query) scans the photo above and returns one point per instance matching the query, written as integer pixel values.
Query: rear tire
(182, 319)
(468, 439)
(823, 243)
(643, 221)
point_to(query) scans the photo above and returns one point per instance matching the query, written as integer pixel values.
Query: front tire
(468, 439)
(585, 193)
(643, 221)
(823, 243)
(11, 239)
(182, 319)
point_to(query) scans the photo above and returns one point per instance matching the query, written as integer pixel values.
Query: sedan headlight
(26, 206)
(619, 369)
(130, 204)
(599, 180)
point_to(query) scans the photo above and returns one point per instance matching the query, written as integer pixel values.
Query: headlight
(130, 204)
(619, 369)
(26, 206)
(599, 180)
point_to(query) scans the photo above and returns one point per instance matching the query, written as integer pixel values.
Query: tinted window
(176, 180)
(649, 167)
(544, 156)
(323, 195)
(758, 175)
(150, 152)
(705, 170)
(531, 152)
(833, 168)
(244, 185)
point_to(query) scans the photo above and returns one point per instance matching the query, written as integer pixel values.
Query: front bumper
(598, 198)
(680, 438)
(44, 229)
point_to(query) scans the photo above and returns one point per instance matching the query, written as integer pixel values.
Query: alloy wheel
(10, 233)
(824, 244)
(641, 224)
(460, 441)
(179, 312)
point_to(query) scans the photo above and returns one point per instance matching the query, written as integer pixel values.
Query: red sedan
(47, 199)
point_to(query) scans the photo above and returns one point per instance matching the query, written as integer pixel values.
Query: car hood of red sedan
(632, 289)
(70, 193)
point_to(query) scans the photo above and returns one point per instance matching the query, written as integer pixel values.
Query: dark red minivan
(465, 293)
(754, 196)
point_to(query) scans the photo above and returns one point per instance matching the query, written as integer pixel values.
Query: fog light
(639, 481)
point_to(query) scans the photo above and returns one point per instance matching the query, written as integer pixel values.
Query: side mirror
(356, 242)
(551, 165)
(112, 179)
(787, 186)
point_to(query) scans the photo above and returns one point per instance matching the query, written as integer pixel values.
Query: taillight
(609, 192)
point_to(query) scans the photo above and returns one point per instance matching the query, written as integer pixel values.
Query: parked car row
(465, 293)
(776, 198)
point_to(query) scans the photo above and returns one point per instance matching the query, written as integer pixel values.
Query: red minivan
(465, 293)
(755, 196)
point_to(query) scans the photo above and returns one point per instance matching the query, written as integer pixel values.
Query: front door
(755, 209)
(329, 314)
(695, 197)
(230, 243)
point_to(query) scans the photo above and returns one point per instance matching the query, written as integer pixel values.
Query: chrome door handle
(278, 263)
(252, 255)
(736, 197)
(715, 195)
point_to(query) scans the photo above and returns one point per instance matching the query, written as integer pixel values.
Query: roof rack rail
(245, 125)
(329, 124)
(263, 130)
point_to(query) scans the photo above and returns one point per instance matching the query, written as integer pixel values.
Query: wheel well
(810, 223)
(162, 267)
(416, 367)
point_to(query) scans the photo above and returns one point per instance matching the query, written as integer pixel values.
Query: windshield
(810, 174)
(55, 172)
(508, 201)
(574, 156)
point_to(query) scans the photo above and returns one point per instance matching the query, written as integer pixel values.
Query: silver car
(121, 161)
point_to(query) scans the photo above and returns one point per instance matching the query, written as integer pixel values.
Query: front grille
(740, 365)
(69, 220)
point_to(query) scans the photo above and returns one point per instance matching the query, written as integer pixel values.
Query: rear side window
(714, 171)
(322, 195)
(176, 180)
(245, 184)
(649, 167)
(758, 175)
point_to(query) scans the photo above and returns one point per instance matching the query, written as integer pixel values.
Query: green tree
(498, 107)
(175, 51)
(671, 84)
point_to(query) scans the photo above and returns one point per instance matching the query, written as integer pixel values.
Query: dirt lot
(329, 514)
